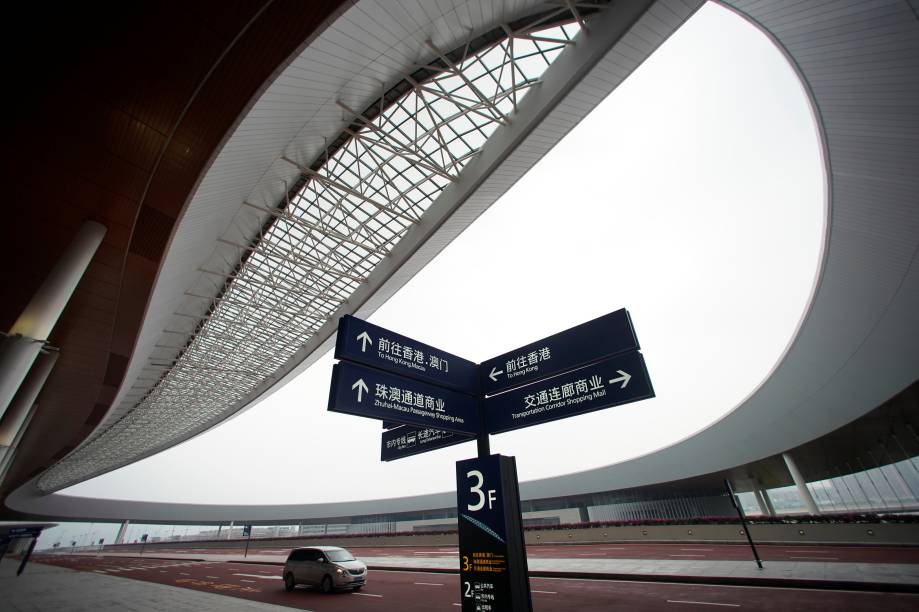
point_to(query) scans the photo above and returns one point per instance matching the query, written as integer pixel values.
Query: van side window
(298, 555)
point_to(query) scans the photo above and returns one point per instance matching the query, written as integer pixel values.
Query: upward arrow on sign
(360, 385)
(365, 340)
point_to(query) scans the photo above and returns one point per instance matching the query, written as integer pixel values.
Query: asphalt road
(427, 592)
(689, 552)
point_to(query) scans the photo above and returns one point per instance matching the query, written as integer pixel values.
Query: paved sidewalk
(42, 587)
(898, 576)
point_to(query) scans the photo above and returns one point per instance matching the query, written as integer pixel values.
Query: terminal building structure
(202, 182)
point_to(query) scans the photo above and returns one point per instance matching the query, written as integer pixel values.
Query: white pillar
(15, 416)
(230, 531)
(122, 532)
(30, 331)
(803, 491)
(764, 502)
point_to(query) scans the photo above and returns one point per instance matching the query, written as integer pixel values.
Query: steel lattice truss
(321, 244)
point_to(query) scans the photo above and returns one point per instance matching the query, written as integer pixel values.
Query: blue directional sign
(369, 392)
(618, 380)
(407, 440)
(608, 335)
(362, 342)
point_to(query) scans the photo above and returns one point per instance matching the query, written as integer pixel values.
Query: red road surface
(426, 592)
(689, 552)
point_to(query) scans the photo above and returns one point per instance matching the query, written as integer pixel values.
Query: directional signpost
(429, 399)
(380, 395)
(362, 342)
(586, 343)
(407, 440)
(618, 380)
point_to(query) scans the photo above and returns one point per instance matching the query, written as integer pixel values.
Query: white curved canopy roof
(858, 344)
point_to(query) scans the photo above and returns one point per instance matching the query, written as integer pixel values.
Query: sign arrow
(361, 386)
(365, 340)
(625, 378)
(494, 374)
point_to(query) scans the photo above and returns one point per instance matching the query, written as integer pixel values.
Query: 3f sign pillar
(493, 563)
(27, 336)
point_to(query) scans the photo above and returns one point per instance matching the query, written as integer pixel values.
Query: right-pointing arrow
(361, 387)
(494, 374)
(624, 378)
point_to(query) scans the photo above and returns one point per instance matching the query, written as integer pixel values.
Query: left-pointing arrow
(494, 374)
(365, 339)
(361, 387)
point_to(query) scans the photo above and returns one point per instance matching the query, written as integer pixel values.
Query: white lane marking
(546, 592)
(817, 558)
(100, 572)
(430, 583)
(718, 586)
(431, 552)
(259, 576)
(213, 577)
(613, 548)
(366, 594)
(456, 604)
(184, 574)
(703, 603)
(591, 554)
(702, 549)
(801, 550)
(162, 571)
(687, 555)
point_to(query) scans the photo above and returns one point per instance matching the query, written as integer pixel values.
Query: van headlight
(340, 571)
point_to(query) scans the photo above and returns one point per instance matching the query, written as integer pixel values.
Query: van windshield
(339, 555)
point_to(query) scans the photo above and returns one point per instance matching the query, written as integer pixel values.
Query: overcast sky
(692, 196)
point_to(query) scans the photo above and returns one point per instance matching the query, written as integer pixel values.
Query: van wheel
(326, 585)
(289, 583)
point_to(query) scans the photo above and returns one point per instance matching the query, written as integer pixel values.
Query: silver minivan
(328, 567)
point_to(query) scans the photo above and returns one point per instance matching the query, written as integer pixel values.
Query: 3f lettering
(492, 496)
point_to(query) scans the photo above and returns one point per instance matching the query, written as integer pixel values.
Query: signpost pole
(249, 529)
(481, 439)
(743, 522)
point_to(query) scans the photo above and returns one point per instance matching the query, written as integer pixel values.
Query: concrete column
(18, 411)
(31, 330)
(800, 484)
(122, 532)
(764, 502)
(16, 421)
